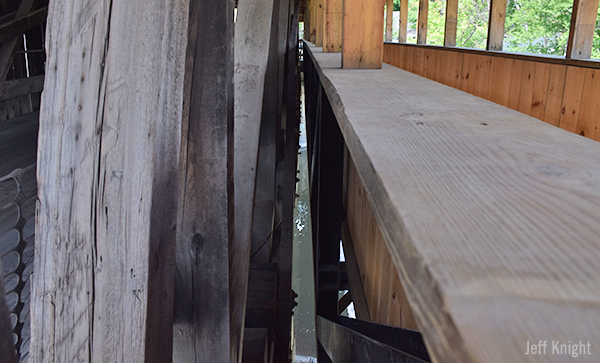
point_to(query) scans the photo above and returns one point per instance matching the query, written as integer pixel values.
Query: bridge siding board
(476, 203)
(552, 82)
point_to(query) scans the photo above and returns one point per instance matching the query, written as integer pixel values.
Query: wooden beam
(496, 26)
(422, 21)
(205, 220)
(345, 345)
(7, 48)
(320, 22)
(19, 26)
(389, 20)
(362, 39)
(21, 87)
(332, 13)
(313, 21)
(454, 282)
(7, 348)
(108, 179)
(307, 19)
(252, 39)
(581, 33)
(403, 22)
(451, 23)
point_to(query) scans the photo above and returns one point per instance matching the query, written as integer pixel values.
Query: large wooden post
(403, 21)
(389, 20)
(496, 27)
(422, 22)
(252, 40)
(362, 42)
(205, 228)
(319, 25)
(581, 34)
(109, 142)
(451, 23)
(332, 25)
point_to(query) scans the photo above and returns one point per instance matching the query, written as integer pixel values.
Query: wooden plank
(252, 40)
(362, 45)
(451, 23)
(22, 24)
(500, 85)
(7, 48)
(496, 24)
(333, 11)
(496, 252)
(21, 87)
(389, 20)
(403, 21)
(581, 32)
(516, 79)
(344, 345)
(108, 181)
(205, 220)
(556, 86)
(422, 22)
(589, 112)
(320, 23)
(527, 79)
(571, 102)
(540, 90)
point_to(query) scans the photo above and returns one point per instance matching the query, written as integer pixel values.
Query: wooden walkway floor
(18, 195)
(491, 217)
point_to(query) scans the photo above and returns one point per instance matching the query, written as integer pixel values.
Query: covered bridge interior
(148, 168)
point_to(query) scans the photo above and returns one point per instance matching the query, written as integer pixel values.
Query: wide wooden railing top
(490, 216)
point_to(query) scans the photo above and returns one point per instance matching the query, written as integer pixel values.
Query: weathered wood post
(362, 43)
(109, 142)
(205, 221)
(332, 25)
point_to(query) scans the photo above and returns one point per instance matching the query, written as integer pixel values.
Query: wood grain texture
(383, 292)
(332, 25)
(539, 87)
(581, 32)
(205, 213)
(496, 25)
(319, 24)
(108, 181)
(556, 87)
(252, 40)
(403, 21)
(422, 21)
(589, 113)
(571, 102)
(362, 45)
(389, 20)
(451, 23)
(21, 87)
(490, 216)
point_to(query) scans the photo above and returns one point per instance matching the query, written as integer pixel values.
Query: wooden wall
(384, 293)
(561, 92)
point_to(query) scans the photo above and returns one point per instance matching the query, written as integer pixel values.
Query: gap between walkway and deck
(490, 216)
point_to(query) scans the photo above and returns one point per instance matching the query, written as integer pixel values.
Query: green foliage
(538, 26)
(472, 23)
(532, 26)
